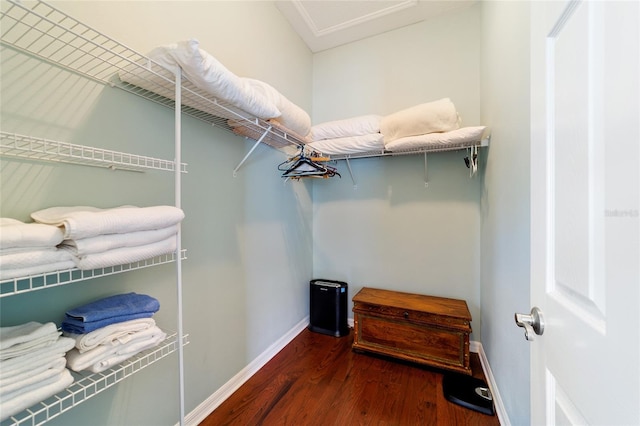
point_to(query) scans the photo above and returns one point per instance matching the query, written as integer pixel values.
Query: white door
(585, 185)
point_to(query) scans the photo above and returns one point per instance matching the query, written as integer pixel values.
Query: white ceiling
(324, 24)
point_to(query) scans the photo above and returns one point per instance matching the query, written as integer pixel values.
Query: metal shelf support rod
(251, 151)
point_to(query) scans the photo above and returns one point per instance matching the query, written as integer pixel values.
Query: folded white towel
(103, 357)
(15, 335)
(103, 243)
(17, 234)
(26, 382)
(84, 222)
(6, 274)
(9, 407)
(123, 255)
(28, 258)
(111, 335)
(25, 338)
(35, 358)
(56, 362)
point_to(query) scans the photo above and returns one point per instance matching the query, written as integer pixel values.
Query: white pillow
(208, 74)
(355, 126)
(293, 117)
(436, 116)
(349, 144)
(458, 136)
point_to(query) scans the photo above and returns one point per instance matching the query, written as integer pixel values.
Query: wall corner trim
(503, 418)
(219, 396)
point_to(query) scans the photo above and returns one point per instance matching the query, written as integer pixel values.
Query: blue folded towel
(110, 310)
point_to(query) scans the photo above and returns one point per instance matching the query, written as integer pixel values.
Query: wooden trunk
(424, 329)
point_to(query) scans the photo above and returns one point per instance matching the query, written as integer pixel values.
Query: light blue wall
(247, 238)
(505, 199)
(393, 232)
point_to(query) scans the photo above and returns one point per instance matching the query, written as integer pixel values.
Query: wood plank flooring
(318, 380)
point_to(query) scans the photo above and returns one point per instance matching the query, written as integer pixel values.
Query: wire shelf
(32, 148)
(40, 30)
(424, 150)
(57, 278)
(87, 385)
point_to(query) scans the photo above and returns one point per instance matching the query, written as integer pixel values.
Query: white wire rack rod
(32, 148)
(57, 278)
(87, 385)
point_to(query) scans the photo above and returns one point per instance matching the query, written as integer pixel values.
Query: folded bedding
(23, 339)
(430, 117)
(42, 378)
(15, 234)
(106, 356)
(34, 394)
(349, 145)
(123, 255)
(31, 262)
(7, 274)
(33, 374)
(37, 357)
(438, 140)
(109, 310)
(209, 75)
(27, 258)
(111, 335)
(80, 222)
(355, 126)
(103, 243)
(291, 116)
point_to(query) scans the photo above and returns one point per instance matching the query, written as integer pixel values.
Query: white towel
(58, 361)
(9, 407)
(35, 358)
(6, 274)
(26, 382)
(84, 222)
(28, 258)
(103, 357)
(23, 339)
(124, 255)
(15, 335)
(111, 335)
(103, 243)
(17, 234)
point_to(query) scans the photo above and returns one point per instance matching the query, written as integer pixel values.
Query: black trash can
(328, 306)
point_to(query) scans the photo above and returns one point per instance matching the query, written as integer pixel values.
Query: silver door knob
(532, 323)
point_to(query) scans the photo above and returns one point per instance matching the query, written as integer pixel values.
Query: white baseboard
(207, 406)
(503, 418)
(225, 391)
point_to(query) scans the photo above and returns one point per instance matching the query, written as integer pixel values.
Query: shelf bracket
(355, 184)
(235, 171)
(426, 180)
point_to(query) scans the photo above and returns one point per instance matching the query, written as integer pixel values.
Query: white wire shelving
(20, 285)
(33, 148)
(43, 31)
(87, 385)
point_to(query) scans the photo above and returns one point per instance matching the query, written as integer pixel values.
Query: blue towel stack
(110, 310)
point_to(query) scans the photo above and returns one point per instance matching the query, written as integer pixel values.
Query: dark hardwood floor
(318, 380)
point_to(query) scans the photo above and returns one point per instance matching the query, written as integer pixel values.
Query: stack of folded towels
(98, 238)
(111, 330)
(30, 248)
(33, 365)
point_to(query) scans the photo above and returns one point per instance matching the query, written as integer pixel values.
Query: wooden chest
(424, 329)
